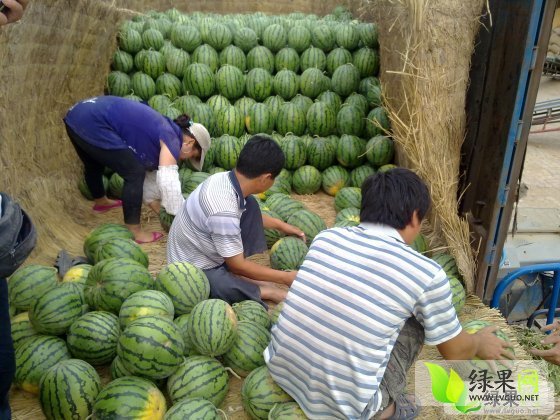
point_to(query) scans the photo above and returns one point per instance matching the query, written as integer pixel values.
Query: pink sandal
(98, 208)
(156, 236)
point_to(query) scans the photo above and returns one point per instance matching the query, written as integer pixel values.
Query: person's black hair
(184, 122)
(261, 155)
(390, 198)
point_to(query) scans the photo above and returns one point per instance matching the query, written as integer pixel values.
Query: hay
(425, 58)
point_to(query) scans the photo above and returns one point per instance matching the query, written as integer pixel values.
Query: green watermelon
(152, 39)
(349, 213)
(313, 82)
(28, 283)
(194, 181)
(322, 37)
(119, 83)
(122, 61)
(93, 337)
(299, 38)
(249, 310)
(287, 411)
(205, 54)
(186, 103)
(233, 56)
(260, 57)
(102, 233)
(219, 37)
(153, 64)
(332, 99)
(337, 58)
(347, 36)
(348, 197)
(121, 248)
(320, 153)
(457, 294)
(190, 408)
(259, 119)
(259, 84)
(185, 284)
(259, 393)
(359, 174)
(227, 151)
(290, 119)
(448, 263)
(274, 103)
(386, 167)
(420, 244)
(279, 186)
(366, 61)
(286, 84)
(182, 323)
(351, 151)
(117, 369)
(313, 58)
(378, 122)
(145, 303)
(143, 85)
(275, 313)
(380, 150)
(230, 82)
(168, 84)
(286, 208)
(310, 223)
(116, 183)
(307, 180)
(288, 253)
(186, 37)
(177, 61)
(130, 41)
(294, 152)
(303, 102)
(350, 120)
(246, 354)
(160, 103)
(199, 81)
(346, 79)
(287, 59)
(244, 104)
(368, 34)
(346, 223)
(321, 119)
(203, 114)
(274, 38)
(246, 39)
(21, 328)
(229, 120)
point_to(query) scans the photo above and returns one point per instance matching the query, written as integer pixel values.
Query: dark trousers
(123, 162)
(7, 358)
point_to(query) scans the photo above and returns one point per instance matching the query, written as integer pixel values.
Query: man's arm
(483, 344)
(242, 267)
(14, 11)
(274, 223)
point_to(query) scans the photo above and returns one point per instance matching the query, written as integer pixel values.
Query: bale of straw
(425, 49)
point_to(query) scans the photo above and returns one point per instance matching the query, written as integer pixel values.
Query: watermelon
(259, 84)
(182, 323)
(288, 59)
(299, 38)
(372, 92)
(212, 327)
(472, 327)
(310, 223)
(259, 120)
(194, 181)
(259, 393)
(145, 303)
(303, 102)
(337, 58)
(260, 57)
(348, 197)
(286, 208)
(21, 328)
(217, 102)
(132, 98)
(152, 39)
(322, 37)
(82, 186)
(420, 244)
(34, 357)
(68, 390)
(386, 167)
(205, 54)
(227, 151)
(350, 120)
(139, 59)
(244, 104)
(313, 82)
(190, 408)
(332, 99)
(347, 36)
(229, 121)
(122, 61)
(279, 186)
(359, 174)
(346, 223)
(230, 82)
(366, 61)
(186, 103)
(54, 311)
(186, 37)
(274, 38)
(246, 354)
(121, 248)
(286, 84)
(378, 122)
(130, 41)
(185, 284)
(313, 58)
(246, 39)
(320, 153)
(294, 152)
(177, 61)
(380, 150)
(346, 79)
(307, 180)
(143, 85)
(160, 103)
(199, 80)
(457, 294)
(117, 369)
(249, 310)
(350, 151)
(199, 376)
(349, 213)
(151, 347)
(116, 183)
(368, 34)
(290, 119)
(118, 83)
(129, 397)
(153, 64)
(334, 178)
(286, 411)
(102, 233)
(93, 337)
(219, 37)
(28, 283)
(234, 56)
(448, 263)
(288, 253)
(321, 119)
(203, 114)
(112, 280)
(168, 84)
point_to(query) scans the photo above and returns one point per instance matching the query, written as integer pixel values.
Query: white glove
(170, 187)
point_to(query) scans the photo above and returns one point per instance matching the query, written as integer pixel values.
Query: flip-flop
(406, 408)
(156, 236)
(98, 208)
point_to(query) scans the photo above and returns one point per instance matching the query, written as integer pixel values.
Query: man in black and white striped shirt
(220, 224)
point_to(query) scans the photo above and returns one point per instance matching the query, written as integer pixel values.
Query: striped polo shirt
(343, 313)
(206, 229)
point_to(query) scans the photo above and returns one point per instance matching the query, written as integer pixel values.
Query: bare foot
(104, 201)
(155, 206)
(388, 412)
(273, 293)
(139, 234)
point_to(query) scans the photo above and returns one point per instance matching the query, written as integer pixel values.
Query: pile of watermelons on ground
(310, 83)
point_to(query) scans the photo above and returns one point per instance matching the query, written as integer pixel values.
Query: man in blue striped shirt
(362, 305)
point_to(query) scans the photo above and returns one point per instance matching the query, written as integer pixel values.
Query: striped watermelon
(182, 323)
(145, 303)
(259, 84)
(287, 208)
(259, 120)
(151, 347)
(203, 114)
(21, 328)
(177, 61)
(349, 213)
(294, 152)
(378, 122)
(472, 327)
(358, 175)
(288, 253)
(307, 180)
(386, 168)
(244, 104)
(134, 98)
(337, 58)
(217, 102)
(322, 37)
(259, 393)
(287, 411)
(246, 39)
(230, 121)
(448, 263)
(130, 41)
(160, 103)
(372, 92)
(420, 244)
(230, 82)
(246, 354)
(366, 61)
(168, 84)
(186, 103)
(332, 99)
(185, 284)
(205, 54)
(153, 64)
(93, 337)
(274, 38)
(346, 223)
(321, 119)
(271, 235)
(303, 102)
(28, 283)
(112, 280)
(139, 59)
(368, 34)
(457, 294)
(313, 58)
(190, 408)
(249, 310)
(347, 36)
(122, 61)
(117, 369)
(380, 150)
(152, 39)
(129, 397)
(350, 151)
(346, 79)
(366, 82)
(121, 248)
(313, 82)
(299, 38)
(234, 56)
(348, 197)
(199, 81)
(54, 311)
(320, 153)
(186, 37)
(279, 186)
(310, 223)
(287, 58)
(335, 178)
(212, 327)
(101, 233)
(199, 377)
(290, 119)
(219, 37)
(118, 83)
(143, 85)
(260, 57)
(116, 183)
(34, 357)
(350, 120)
(286, 84)
(227, 151)
(68, 390)
(194, 181)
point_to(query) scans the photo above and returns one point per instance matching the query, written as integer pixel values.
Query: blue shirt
(114, 123)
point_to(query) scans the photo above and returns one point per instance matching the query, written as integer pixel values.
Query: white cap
(202, 137)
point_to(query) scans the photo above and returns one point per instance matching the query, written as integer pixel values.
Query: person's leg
(252, 230)
(407, 347)
(7, 357)
(231, 288)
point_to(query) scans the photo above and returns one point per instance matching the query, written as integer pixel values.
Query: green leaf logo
(449, 388)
